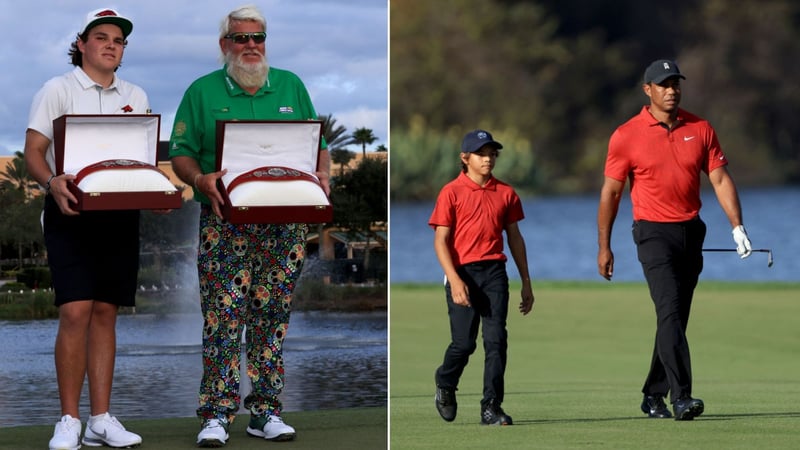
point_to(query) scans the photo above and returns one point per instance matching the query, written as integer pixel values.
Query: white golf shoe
(67, 434)
(213, 433)
(271, 428)
(105, 429)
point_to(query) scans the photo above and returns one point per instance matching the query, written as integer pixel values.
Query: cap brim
(494, 144)
(659, 80)
(124, 24)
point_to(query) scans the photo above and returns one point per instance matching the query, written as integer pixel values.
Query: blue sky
(338, 48)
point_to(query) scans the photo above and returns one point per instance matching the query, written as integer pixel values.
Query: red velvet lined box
(271, 166)
(114, 160)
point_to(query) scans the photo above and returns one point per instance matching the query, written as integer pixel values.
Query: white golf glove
(743, 246)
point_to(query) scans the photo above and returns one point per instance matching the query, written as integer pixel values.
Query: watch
(47, 185)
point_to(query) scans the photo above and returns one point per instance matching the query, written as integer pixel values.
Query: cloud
(366, 118)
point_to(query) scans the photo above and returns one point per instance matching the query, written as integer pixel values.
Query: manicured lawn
(577, 363)
(363, 428)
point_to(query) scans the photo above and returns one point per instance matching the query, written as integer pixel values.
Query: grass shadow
(704, 417)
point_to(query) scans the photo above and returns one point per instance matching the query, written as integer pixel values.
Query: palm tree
(381, 148)
(341, 156)
(17, 177)
(363, 136)
(334, 135)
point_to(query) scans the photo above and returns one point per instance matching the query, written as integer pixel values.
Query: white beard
(247, 75)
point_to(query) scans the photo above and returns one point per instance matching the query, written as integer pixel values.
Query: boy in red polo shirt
(663, 150)
(469, 218)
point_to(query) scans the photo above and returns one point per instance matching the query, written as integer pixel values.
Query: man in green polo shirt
(247, 272)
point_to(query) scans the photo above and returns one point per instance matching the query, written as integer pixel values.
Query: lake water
(561, 238)
(332, 360)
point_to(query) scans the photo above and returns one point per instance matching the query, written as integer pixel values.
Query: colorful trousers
(247, 276)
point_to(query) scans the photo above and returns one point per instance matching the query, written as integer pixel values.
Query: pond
(332, 360)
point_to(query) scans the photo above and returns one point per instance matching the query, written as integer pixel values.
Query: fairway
(577, 363)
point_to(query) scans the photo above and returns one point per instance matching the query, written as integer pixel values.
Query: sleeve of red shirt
(715, 157)
(443, 211)
(514, 212)
(617, 162)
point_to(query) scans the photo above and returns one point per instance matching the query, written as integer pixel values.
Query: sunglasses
(244, 38)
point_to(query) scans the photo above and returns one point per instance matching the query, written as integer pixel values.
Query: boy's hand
(459, 292)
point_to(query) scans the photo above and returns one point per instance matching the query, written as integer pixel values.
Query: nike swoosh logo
(688, 138)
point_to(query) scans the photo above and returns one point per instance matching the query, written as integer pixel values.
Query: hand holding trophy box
(113, 158)
(271, 172)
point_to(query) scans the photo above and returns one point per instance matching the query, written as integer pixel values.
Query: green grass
(577, 363)
(363, 428)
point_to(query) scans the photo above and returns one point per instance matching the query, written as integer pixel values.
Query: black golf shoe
(655, 407)
(493, 414)
(446, 403)
(687, 408)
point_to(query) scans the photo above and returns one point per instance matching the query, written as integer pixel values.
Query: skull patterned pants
(247, 276)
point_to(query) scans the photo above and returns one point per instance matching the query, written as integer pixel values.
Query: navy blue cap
(474, 140)
(660, 70)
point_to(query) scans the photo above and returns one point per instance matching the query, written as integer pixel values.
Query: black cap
(660, 70)
(474, 140)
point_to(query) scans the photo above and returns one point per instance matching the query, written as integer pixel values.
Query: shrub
(314, 294)
(27, 306)
(14, 286)
(35, 277)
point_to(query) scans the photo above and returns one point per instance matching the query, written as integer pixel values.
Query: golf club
(768, 251)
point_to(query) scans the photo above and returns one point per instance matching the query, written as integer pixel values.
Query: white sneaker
(271, 428)
(105, 429)
(67, 435)
(214, 433)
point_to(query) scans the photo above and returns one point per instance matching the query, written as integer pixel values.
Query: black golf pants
(672, 259)
(488, 293)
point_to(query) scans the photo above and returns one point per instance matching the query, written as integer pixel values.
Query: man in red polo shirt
(662, 151)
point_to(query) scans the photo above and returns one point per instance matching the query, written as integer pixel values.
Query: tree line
(552, 79)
